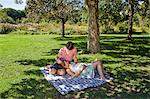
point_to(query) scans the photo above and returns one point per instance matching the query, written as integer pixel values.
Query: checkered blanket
(65, 84)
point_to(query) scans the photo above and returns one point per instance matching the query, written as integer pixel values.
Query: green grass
(21, 56)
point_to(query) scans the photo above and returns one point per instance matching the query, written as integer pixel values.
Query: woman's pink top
(67, 56)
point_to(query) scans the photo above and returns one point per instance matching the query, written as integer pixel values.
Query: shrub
(27, 27)
(123, 27)
(6, 28)
(24, 28)
(107, 30)
(147, 23)
(70, 31)
(24, 20)
(6, 19)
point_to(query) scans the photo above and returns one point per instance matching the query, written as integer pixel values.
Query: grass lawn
(21, 56)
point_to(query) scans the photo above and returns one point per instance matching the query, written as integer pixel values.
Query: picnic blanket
(65, 84)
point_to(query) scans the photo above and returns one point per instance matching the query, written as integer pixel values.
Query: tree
(1, 5)
(130, 22)
(56, 9)
(9, 15)
(15, 14)
(18, 1)
(111, 13)
(84, 15)
(132, 5)
(93, 28)
(65, 10)
(143, 13)
(4, 18)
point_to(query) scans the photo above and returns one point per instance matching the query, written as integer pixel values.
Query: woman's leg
(99, 67)
(61, 72)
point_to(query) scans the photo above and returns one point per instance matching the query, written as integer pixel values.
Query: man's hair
(70, 45)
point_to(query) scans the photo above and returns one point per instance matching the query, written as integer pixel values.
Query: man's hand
(76, 74)
(66, 64)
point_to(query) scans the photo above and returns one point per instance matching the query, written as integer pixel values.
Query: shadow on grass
(81, 49)
(135, 53)
(77, 38)
(126, 83)
(34, 72)
(116, 49)
(39, 63)
(31, 88)
(44, 62)
(131, 52)
(137, 33)
(51, 52)
(117, 43)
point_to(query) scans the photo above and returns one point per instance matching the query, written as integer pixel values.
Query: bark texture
(93, 28)
(130, 22)
(63, 27)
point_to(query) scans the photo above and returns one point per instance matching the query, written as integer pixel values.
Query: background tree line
(111, 13)
(9, 15)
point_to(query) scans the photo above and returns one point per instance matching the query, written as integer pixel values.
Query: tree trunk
(142, 22)
(130, 23)
(93, 44)
(63, 27)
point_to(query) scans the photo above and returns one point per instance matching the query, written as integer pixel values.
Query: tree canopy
(9, 15)
(1, 5)
(54, 9)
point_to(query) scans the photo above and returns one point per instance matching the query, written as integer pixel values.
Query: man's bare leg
(99, 67)
(70, 72)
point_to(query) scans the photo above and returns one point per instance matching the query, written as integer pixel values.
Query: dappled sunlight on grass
(128, 62)
(30, 88)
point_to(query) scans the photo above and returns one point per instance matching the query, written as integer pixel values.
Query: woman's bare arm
(75, 59)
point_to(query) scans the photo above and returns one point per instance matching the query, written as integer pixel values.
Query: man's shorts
(56, 66)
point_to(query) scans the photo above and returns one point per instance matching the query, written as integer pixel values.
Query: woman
(87, 70)
(64, 57)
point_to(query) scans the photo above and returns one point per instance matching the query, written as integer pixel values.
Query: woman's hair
(70, 45)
